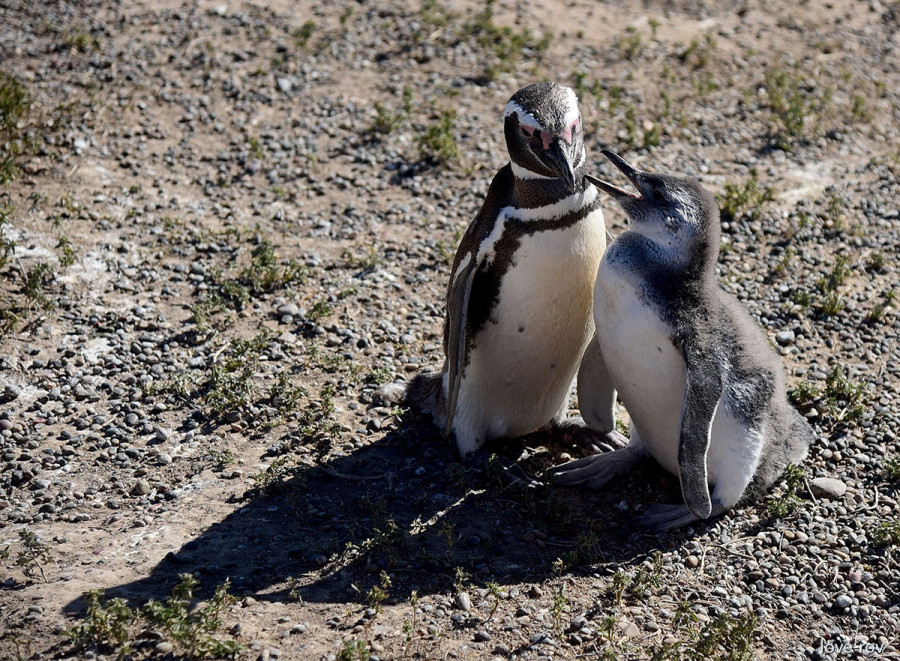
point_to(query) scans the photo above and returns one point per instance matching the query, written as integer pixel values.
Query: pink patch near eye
(527, 130)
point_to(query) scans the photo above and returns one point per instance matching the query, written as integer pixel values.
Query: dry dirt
(168, 141)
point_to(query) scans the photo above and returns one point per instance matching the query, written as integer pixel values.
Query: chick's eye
(658, 196)
(527, 131)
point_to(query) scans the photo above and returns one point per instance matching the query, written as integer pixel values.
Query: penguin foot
(505, 471)
(659, 517)
(574, 431)
(595, 471)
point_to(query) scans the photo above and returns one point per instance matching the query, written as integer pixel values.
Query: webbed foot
(598, 469)
(575, 431)
(659, 517)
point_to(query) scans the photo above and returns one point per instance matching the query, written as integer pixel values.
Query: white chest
(646, 368)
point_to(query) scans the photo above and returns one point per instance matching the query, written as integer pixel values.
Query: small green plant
(107, 625)
(804, 395)
(7, 245)
(698, 54)
(386, 120)
(379, 593)
(892, 469)
(37, 279)
(82, 41)
(255, 148)
(15, 105)
(503, 46)
(878, 310)
(793, 105)
(273, 476)
(647, 577)
(304, 33)
(832, 303)
(630, 43)
(193, 629)
(230, 384)
(724, 637)
(438, 142)
(876, 262)
(319, 310)
(316, 424)
(354, 650)
(744, 200)
(33, 555)
(787, 503)
(886, 533)
(844, 398)
(222, 457)
(67, 252)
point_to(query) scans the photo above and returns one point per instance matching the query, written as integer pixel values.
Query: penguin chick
(519, 299)
(705, 392)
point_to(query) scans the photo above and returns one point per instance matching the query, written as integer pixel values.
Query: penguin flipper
(596, 394)
(456, 345)
(702, 391)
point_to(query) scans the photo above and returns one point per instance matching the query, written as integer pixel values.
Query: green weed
(387, 120)
(33, 554)
(878, 310)
(502, 45)
(438, 142)
(15, 105)
(36, 280)
(744, 200)
(886, 533)
(787, 503)
(7, 245)
(193, 629)
(67, 252)
(107, 625)
(845, 399)
(354, 650)
(304, 33)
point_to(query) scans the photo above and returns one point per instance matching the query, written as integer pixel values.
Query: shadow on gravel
(407, 506)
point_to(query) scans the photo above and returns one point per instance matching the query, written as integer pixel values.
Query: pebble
(141, 488)
(827, 487)
(843, 601)
(463, 602)
(785, 338)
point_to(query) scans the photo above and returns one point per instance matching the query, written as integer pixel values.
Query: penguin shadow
(406, 506)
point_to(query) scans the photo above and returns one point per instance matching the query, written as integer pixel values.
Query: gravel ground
(232, 228)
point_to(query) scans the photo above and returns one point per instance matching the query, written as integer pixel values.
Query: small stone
(288, 309)
(843, 601)
(827, 487)
(6, 424)
(233, 416)
(79, 145)
(463, 602)
(482, 636)
(141, 488)
(11, 391)
(164, 647)
(692, 561)
(284, 84)
(629, 629)
(535, 592)
(785, 338)
(163, 459)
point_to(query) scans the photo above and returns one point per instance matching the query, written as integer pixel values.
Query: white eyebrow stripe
(525, 117)
(572, 112)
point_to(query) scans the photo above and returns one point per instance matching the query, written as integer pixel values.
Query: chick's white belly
(525, 359)
(646, 368)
